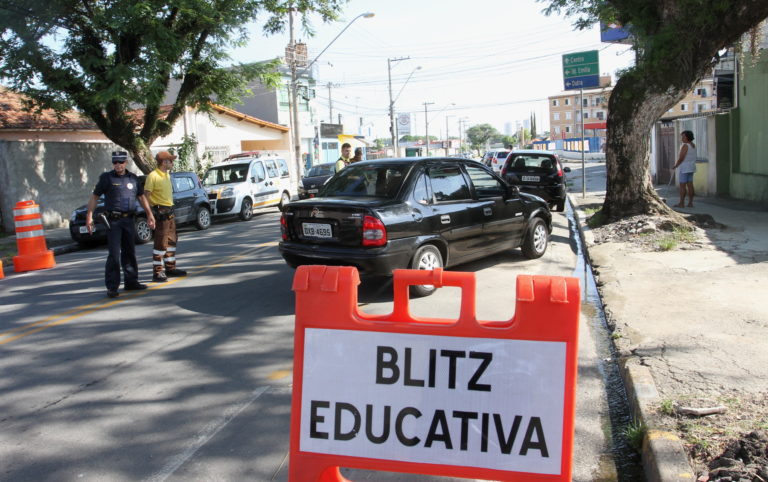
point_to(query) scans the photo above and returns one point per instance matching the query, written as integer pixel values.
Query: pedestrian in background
(687, 163)
(358, 155)
(346, 156)
(159, 191)
(120, 188)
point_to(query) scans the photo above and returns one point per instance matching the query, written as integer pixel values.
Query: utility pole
(447, 137)
(294, 98)
(330, 104)
(392, 126)
(426, 128)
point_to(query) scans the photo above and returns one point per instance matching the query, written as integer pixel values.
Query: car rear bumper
(369, 261)
(99, 234)
(551, 194)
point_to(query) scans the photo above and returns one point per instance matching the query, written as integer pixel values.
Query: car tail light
(559, 170)
(284, 227)
(374, 232)
(495, 161)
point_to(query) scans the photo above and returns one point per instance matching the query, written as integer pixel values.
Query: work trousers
(121, 240)
(164, 250)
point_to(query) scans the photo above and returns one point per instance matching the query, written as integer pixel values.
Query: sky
(486, 61)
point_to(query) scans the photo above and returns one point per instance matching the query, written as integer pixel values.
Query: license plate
(83, 229)
(312, 191)
(316, 230)
(531, 178)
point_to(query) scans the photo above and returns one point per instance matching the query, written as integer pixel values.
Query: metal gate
(666, 153)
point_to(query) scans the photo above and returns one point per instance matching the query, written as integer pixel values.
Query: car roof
(323, 164)
(533, 151)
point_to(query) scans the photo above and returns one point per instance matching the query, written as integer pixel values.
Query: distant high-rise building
(508, 131)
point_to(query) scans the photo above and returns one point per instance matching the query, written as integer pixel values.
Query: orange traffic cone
(2, 275)
(30, 239)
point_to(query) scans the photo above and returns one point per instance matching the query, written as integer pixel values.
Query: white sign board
(403, 124)
(475, 402)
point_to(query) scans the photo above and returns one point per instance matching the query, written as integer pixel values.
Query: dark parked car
(190, 204)
(419, 213)
(539, 173)
(315, 178)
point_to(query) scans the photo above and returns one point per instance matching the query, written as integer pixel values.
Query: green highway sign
(581, 70)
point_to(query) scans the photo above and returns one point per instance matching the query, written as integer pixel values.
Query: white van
(246, 181)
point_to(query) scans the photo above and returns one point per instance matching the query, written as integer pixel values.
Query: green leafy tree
(508, 141)
(676, 43)
(108, 59)
(533, 125)
(481, 135)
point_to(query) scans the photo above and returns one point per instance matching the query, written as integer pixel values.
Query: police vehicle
(249, 180)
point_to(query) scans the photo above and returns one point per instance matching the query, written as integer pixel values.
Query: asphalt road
(191, 379)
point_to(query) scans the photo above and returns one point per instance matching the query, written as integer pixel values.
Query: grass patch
(596, 220)
(673, 239)
(634, 433)
(615, 336)
(667, 407)
(590, 211)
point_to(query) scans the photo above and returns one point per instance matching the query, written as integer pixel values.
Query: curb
(57, 250)
(663, 456)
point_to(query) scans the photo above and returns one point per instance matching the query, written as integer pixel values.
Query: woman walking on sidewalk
(687, 162)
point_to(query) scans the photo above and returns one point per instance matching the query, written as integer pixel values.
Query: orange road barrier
(2, 275)
(460, 398)
(30, 239)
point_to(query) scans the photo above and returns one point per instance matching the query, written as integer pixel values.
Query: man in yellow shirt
(159, 191)
(346, 156)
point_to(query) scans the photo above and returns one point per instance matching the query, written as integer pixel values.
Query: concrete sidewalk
(690, 324)
(56, 239)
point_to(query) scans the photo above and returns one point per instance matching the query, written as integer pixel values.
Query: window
(556, 116)
(330, 146)
(702, 92)
(600, 115)
(557, 129)
(283, 167)
(585, 102)
(485, 184)
(684, 107)
(257, 171)
(567, 101)
(568, 115)
(182, 183)
(555, 103)
(448, 183)
(586, 115)
(271, 168)
(420, 192)
(567, 129)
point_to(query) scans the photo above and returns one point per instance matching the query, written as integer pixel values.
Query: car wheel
(284, 199)
(426, 257)
(203, 218)
(246, 209)
(536, 239)
(561, 205)
(143, 231)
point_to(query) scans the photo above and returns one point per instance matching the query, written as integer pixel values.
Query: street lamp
(447, 137)
(426, 128)
(294, 84)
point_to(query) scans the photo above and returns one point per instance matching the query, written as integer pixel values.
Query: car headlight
(228, 192)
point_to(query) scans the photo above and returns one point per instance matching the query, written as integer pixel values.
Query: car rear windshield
(370, 180)
(502, 155)
(225, 174)
(542, 162)
(322, 170)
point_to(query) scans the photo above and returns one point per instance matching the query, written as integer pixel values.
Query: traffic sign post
(581, 70)
(461, 398)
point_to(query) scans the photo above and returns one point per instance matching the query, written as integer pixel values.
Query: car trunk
(327, 222)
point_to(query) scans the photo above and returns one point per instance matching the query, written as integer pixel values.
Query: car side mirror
(566, 169)
(512, 191)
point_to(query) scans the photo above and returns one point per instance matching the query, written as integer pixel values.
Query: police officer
(120, 188)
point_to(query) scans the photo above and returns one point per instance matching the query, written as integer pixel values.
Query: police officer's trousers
(121, 239)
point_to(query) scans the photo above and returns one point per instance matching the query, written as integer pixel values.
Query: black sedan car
(539, 173)
(419, 213)
(315, 178)
(190, 204)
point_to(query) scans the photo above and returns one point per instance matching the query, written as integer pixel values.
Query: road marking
(203, 436)
(278, 374)
(75, 313)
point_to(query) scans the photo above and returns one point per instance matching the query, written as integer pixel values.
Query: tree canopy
(113, 61)
(676, 44)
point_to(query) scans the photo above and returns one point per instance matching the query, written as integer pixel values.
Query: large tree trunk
(633, 109)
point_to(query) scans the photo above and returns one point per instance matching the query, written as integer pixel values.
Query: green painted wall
(749, 129)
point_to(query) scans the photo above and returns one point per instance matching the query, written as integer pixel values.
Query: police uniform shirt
(120, 192)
